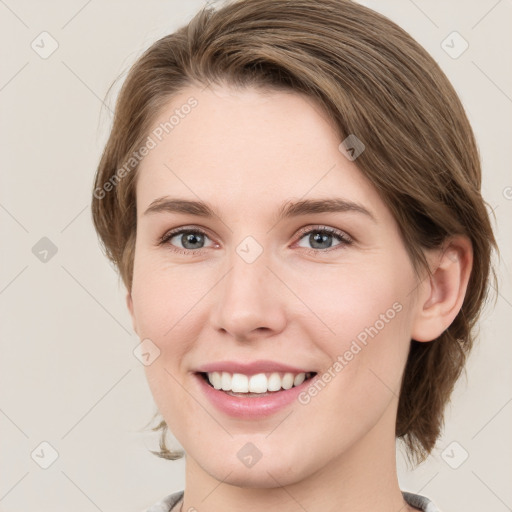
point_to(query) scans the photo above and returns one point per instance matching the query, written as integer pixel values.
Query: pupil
(318, 238)
(192, 238)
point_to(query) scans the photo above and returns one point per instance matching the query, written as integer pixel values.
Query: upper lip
(250, 368)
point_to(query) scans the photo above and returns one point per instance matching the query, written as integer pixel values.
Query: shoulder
(166, 504)
(420, 502)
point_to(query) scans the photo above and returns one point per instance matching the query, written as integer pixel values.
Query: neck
(360, 479)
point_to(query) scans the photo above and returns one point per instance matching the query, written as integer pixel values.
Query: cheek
(164, 298)
(167, 306)
(362, 322)
(345, 301)
(159, 303)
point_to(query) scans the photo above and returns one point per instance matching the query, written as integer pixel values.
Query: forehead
(244, 148)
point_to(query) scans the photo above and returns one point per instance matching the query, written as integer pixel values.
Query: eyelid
(323, 228)
(178, 231)
(345, 238)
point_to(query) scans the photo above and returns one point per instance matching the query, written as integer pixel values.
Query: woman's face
(252, 291)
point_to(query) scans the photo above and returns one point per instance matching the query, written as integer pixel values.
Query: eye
(321, 238)
(191, 240)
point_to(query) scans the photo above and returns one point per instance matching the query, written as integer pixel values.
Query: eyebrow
(287, 210)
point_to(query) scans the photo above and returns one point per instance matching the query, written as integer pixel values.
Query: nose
(250, 301)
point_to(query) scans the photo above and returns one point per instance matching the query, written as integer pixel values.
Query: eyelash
(342, 237)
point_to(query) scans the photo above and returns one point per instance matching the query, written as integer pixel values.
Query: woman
(291, 193)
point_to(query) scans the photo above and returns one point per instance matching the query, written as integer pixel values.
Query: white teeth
(216, 380)
(259, 383)
(299, 379)
(240, 383)
(274, 382)
(225, 381)
(288, 380)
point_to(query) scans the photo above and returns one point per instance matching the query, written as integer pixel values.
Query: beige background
(68, 376)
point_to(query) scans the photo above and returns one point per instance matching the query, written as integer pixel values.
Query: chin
(273, 468)
(257, 477)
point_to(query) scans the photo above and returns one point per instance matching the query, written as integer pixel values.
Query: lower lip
(251, 407)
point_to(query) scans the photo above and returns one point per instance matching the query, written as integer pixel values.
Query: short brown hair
(373, 80)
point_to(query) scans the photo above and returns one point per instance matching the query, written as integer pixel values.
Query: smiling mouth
(258, 385)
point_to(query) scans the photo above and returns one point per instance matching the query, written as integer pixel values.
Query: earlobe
(442, 293)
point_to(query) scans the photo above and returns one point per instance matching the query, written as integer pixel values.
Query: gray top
(415, 500)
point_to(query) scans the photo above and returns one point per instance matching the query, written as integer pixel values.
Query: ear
(442, 293)
(129, 304)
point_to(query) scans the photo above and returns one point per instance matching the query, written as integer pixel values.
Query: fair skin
(246, 152)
